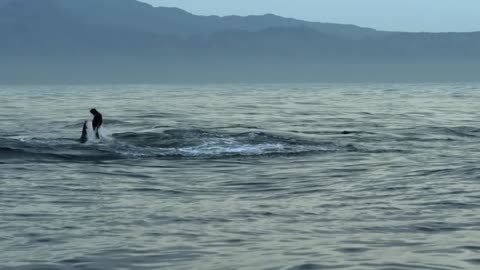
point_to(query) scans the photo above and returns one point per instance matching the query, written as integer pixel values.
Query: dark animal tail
(84, 137)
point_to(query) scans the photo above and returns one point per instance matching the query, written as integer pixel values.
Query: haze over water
(290, 176)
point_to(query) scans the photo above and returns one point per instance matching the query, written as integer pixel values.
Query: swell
(215, 144)
(169, 144)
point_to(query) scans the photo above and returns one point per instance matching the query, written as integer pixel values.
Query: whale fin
(84, 137)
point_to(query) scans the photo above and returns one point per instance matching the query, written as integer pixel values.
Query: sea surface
(289, 176)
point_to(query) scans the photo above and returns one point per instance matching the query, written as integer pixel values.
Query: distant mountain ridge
(173, 21)
(130, 41)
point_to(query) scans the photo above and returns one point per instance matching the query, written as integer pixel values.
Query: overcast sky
(402, 15)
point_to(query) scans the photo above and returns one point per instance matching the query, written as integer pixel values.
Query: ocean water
(293, 176)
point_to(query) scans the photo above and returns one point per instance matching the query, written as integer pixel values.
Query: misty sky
(402, 15)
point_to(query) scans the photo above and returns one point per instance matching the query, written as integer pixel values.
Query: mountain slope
(173, 21)
(129, 41)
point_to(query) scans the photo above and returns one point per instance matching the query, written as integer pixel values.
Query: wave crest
(175, 143)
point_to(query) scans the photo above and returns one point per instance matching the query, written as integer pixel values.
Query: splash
(104, 134)
(90, 132)
(169, 144)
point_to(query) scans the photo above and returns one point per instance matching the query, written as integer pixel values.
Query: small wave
(202, 143)
(48, 150)
(108, 122)
(44, 141)
(183, 143)
(442, 132)
(7, 153)
(175, 143)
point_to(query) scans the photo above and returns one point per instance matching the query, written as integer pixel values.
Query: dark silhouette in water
(84, 137)
(97, 121)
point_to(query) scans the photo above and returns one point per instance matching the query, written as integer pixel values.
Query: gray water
(340, 176)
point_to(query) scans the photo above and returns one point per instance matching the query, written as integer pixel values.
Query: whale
(88, 134)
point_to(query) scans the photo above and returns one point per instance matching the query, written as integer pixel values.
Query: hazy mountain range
(126, 41)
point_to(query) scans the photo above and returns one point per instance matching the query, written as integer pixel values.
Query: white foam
(90, 132)
(104, 133)
(229, 147)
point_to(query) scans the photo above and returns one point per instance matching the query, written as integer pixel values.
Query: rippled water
(302, 176)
